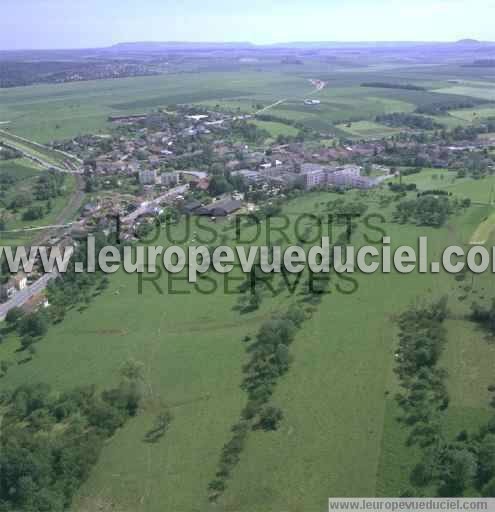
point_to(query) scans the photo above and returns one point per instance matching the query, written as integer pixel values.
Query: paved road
(22, 296)
(149, 205)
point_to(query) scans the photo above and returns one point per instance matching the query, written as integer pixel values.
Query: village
(207, 163)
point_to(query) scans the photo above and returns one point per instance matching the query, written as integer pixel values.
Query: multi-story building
(148, 177)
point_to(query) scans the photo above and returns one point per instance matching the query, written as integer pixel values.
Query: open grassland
(339, 435)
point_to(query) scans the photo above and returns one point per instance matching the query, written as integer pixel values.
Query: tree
(4, 367)
(457, 473)
(488, 490)
(33, 325)
(162, 422)
(132, 370)
(33, 213)
(270, 418)
(13, 316)
(219, 185)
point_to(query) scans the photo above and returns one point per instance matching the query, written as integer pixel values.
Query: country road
(22, 296)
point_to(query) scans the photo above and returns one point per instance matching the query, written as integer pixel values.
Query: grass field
(368, 129)
(484, 230)
(479, 190)
(339, 432)
(475, 114)
(482, 92)
(339, 435)
(45, 155)
(47, 112)
(275, 129)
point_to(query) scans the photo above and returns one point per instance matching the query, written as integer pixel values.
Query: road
(22, 296)
(268, 107)
(148, 206)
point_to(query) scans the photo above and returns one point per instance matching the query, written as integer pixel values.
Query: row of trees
(269, 360)
(464, 466)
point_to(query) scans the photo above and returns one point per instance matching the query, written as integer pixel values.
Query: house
(20, 281)
(220, 208)
(7, 290)
(90, 209)
(191, 207)
(12, 286)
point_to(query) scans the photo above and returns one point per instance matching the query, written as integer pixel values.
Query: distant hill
(468, 41)
(145, 46)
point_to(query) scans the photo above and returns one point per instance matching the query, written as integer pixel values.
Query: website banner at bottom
(404, 504)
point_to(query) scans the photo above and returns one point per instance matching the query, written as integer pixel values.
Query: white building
(169, 179)
(148, 177)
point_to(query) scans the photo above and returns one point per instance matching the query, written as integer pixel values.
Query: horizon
(178, 42)
(55, 25)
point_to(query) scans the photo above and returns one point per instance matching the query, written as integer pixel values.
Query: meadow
(367, 130)
(338, 436)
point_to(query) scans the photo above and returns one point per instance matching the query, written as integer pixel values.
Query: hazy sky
(90, 23)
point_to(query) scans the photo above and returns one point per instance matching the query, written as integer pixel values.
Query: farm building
(191, 207)
(220, 208)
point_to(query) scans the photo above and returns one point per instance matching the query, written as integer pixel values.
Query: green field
(478, 190)
(368, 130)
(474, 114)
(27, 173)
(275, 129)
(485, 93)
(43, 155)
(47, 112)
(338, 436)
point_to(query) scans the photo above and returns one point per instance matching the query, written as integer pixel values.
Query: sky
(38, 24)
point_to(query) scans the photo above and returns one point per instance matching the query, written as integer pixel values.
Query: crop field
(339, 413)
(47, 112)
